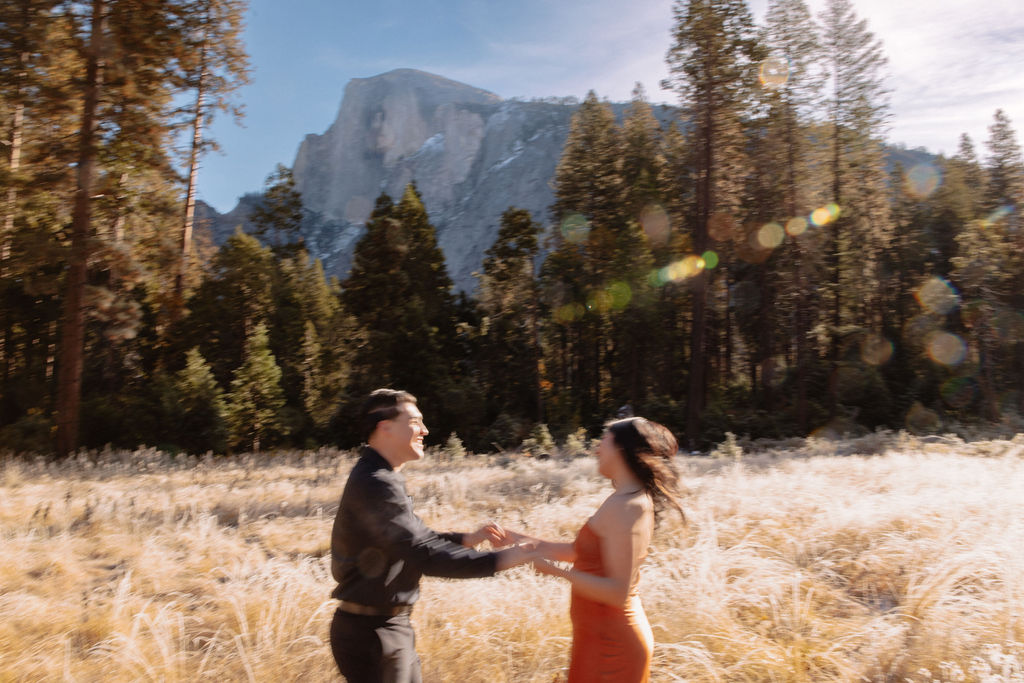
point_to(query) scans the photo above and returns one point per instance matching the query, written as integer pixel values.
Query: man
(380, 549)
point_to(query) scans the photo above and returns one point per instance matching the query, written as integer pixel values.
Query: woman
(612, 640)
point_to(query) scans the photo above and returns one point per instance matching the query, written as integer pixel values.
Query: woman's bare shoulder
(621, 511)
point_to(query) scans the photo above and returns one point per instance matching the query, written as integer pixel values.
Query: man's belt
(368, 611)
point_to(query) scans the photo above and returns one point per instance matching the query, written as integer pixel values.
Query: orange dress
(609, 644)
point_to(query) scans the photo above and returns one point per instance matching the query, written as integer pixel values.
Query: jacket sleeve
(404, 536)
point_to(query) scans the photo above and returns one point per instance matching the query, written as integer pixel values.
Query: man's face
(405, 434)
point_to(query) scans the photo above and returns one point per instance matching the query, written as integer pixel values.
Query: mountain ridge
(471, 154)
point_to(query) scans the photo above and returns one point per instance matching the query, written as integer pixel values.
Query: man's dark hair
(381, 404)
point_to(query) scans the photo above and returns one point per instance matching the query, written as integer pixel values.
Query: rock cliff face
(470, 153)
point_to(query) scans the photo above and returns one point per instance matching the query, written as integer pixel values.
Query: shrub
(539, 443)
(577, 443)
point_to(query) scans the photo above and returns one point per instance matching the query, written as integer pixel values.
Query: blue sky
(952, 63)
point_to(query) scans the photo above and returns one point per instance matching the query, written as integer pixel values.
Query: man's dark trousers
(375, 649)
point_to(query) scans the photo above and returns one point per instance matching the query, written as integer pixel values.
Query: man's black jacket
(380, 548)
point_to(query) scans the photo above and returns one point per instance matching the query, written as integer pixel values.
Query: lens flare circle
(959, 392)
(796, 226)
(655, 223)
(937, 295)
(710, 259)
(876, 350)
(620, 294)
(770, 235)
(946, 348)
(774, 72)
(922, 180)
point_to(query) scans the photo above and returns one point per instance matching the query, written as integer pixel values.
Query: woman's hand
(494, 533)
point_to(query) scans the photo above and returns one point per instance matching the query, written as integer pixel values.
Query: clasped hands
(530, 549)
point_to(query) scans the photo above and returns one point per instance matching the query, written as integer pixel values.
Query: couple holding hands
(380, 549)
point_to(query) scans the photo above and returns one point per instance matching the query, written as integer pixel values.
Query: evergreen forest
(759, 266)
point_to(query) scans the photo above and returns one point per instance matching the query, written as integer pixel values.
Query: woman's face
(609, 456)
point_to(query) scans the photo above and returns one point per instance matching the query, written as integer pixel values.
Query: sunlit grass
(895, 560)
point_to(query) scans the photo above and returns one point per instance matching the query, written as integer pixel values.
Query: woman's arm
(623, 543)
(550, 550)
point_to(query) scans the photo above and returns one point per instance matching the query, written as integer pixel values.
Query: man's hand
(491, 532)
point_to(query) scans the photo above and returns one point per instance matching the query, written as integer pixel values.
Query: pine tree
(36, 176)
(858, 111)
(214, 64)
(256, 399)
(789, 160)
(131, 53)
(510, 299)
(590, 208)
(588, 179)
(278, 215)
(1004, 190)
(711, 61)
(69, 380)
(967, 161)
(399, 293)
(989, 270)
(643, 165)
(198, 412)
(237, 295)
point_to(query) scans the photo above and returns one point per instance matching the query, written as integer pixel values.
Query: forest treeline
(755, 266)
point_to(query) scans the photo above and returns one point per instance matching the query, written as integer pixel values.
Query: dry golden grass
(896, 560)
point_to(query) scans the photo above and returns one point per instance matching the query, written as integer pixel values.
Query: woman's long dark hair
(648, 449)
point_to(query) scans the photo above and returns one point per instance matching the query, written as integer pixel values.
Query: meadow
(883, 558)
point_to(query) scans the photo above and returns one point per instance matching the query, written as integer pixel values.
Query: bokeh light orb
(936, 295)
(770, 235)
(774, 72)
(600, 301)
(620, 293)
(655, 223)
(575, 228)
(796, 226)
(710, 259)
(821, 216)
(824, 215)
(685, 268)
(876, 350)
(946, 348)
(921, 180)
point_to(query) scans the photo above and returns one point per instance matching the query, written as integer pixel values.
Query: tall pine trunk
(72, 338)
(178, 299)
(695, 395)
(802, 361)
(11, 200)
